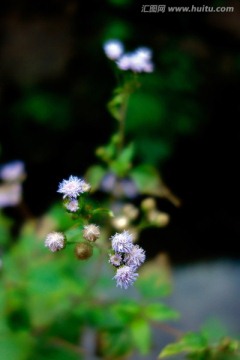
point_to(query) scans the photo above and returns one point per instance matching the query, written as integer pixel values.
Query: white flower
(12, 171)
(125, 276)
(135, 258)
(122, 242)
(72, 205)
(137, 61)
(91, 232)
(10, 194)
(113, 49)
(115, 259)
(72, 187)
(55, 241)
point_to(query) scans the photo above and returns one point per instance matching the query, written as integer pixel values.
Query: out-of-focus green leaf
(94, 176)
(146, 179)
(191, 342)
(5, 225)
(123, 163)
(115, 343)
(16, 346)
(160, 312)
(126, 310)
(141, 335)
(117, 29)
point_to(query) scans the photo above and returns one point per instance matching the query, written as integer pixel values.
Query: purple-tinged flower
(137, 61)
(125, 276)
(12, 171)
(113, 49)
(135, 258)
(91, 232)
(55, 241)
(73, 187)
(115, 259)
(72, 205)
(10, 194)
(122, 243)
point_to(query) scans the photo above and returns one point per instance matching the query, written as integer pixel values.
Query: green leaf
(191, 342)
(94, 176)
(115, 106)
(16, 346)
(141, 335)
(160, 312)
(146, 179)
(123, 163)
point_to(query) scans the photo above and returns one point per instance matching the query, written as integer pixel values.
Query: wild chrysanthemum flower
(115, 259)
(13, 171)
(122, 243)
(91, 232)
(137, 61)
(135, 258)
(113, 49)
(72, 205)
(125, 276)
(72, 187)
(55, 241)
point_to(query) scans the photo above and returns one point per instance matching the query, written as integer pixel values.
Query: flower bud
(91, 232)
(83, 251)
(158, 218)
(120, 222)
(148, 204)
(130, 211)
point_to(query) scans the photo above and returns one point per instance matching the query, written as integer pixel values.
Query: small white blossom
(125, 276)
(137, 61)
(113, 49)
(55, 241)
(72, 187)
(122, 243)
(115, 259)
(12, 171)
(72, 205)
(91, 232)
(135, 258)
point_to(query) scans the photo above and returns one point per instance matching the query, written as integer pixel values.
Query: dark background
(55, 82)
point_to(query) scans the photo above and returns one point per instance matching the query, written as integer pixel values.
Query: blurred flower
(158, 218)
(148, 204)
(119, 187)
(10, 195)
(125, 276)
(135, 258)
(55, 241)
(91, 232)
(130, 211)
(120, 222)
(122, 242)
(73, 187)
(115, 259)
(113, 49)
(137, 61)
(13, 171)
(72, 205)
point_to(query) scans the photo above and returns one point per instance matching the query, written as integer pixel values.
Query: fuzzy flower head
(137, 61)
(115, 259)
(113, 49)
(73, 187)
(91, 232)
(72, 205)
(13, 171)
(125, 276)
(123, 242)
(55, 241)
(135, 258)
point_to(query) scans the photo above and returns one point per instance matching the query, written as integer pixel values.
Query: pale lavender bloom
(73, 187)
(113, 49)
(135, 258)
(13, 171)
(72, 205)
(115, 259)
(122, 243)
(10, 194)
(55, 241)
(125, 276)
(137, 61)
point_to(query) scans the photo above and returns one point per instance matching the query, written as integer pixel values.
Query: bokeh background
(55, 82)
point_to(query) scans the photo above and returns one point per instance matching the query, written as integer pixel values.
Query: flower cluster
(55, 241)
(126, 257)
(71, 189)
(140, 60)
